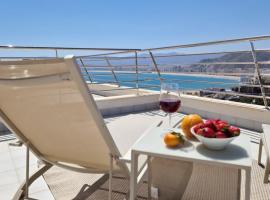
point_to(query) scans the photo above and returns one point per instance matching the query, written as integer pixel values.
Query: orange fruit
(188, 122)
(173, 139)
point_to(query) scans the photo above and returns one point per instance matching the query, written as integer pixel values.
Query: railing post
(257, 67)
(156, 66)
(111, 67)
(86, 71)
(137, 75)
(56, 53)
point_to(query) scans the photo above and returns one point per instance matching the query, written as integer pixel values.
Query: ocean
(186, 82)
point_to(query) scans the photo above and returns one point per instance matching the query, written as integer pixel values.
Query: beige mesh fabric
(44, 102)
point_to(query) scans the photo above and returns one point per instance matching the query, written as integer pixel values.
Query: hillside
(231, 57)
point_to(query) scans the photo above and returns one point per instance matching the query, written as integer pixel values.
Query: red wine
(169, 105)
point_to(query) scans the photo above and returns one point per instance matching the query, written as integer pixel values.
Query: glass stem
(170, 120)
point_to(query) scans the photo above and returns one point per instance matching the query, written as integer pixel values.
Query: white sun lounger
(49, 107)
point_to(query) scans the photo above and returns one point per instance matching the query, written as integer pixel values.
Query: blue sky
(126, 23)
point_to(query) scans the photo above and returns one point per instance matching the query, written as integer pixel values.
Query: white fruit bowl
(213, 143)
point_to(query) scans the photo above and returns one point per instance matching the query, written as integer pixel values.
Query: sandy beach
(230, 77)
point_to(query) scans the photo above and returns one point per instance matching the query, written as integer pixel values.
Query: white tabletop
(237, 154)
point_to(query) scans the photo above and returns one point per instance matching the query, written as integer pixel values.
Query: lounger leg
(267, 170)
(260, 152)
(110, 177)
(21, 191)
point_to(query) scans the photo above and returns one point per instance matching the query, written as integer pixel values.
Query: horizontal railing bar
(129, 50)
(64, 48)
(234, 94)
(217, 63)
(99, 74)
(222, 83)
(130, 73)
(117, 71)
(140, 80)
(103, 66)
(205, 53)
(178, 55)
(144, 87)
(177, 80)
(177, 64)
(150, 84)
(104, 54)
(130, 81)
(100, 58)
(97, 82)
(246, 39)
(235, 74)
(125, 88)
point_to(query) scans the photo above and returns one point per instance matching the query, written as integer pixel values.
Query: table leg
(149, 174)
(239, 184)
(260, 151)
(133, 177)
(267, 170)
(248, 184)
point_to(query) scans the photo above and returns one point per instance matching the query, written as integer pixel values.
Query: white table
(237, 155)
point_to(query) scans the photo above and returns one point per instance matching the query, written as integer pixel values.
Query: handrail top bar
(265, 37)
(107, 54)
(99, 56)
(65, 48)
(121, 51)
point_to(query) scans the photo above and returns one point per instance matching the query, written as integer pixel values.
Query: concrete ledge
(127, 103)
(109, 90)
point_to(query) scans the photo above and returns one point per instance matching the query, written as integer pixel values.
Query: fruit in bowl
(215, 134)
(188, 122)
(173, 139)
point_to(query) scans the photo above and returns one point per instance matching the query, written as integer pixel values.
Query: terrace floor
(12, 168)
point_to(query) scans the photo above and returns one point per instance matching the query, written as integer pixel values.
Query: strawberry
(220, 134)
(200, 132)
(198, 126)
(223, 122)
(208, 132)
(215, 121)
(210, 124)
(235, 131)
(222, 126)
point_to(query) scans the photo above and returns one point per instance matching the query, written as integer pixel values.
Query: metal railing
(136, 62)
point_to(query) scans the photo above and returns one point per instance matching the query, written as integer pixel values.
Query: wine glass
(169, 100)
